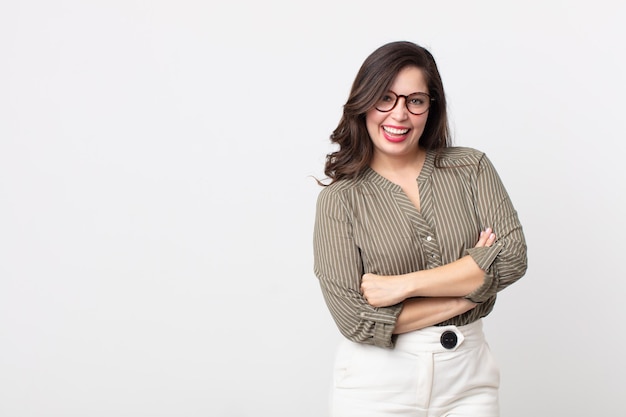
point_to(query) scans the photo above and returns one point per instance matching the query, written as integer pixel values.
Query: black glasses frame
(406, 102)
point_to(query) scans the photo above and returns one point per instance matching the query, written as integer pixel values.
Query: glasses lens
(418, 103)
(386, 102)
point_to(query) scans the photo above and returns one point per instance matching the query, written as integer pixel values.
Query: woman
(413, 239)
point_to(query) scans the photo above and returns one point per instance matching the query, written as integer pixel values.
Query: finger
(482, 239)
(489, 236)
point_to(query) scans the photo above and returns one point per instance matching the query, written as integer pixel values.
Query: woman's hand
(383, 291)
(486, 238)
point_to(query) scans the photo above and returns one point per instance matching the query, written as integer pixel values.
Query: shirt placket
(424, 232)
(425, 228)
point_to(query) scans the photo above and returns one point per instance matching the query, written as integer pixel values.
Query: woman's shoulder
(339, 189)
(459, 156)
(340, 186)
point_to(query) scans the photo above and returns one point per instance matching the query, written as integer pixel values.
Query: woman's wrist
(465, 305)
(413, 284)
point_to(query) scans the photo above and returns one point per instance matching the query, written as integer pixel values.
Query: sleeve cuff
(384, 322)
(484, 257)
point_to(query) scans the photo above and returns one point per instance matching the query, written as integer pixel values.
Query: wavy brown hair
(374, 78)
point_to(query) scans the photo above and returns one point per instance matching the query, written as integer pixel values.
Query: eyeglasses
(416, 103)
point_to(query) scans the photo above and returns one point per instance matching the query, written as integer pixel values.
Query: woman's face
(396, 133)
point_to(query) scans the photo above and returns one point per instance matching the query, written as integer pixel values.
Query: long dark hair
(374, 78)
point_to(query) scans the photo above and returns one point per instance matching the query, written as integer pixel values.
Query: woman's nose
(400, 112)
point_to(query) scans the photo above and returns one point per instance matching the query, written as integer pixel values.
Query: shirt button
(429, 238)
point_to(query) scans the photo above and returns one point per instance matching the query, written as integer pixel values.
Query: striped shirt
(368, 225)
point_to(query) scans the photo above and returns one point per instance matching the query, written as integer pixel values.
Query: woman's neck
(400, 166)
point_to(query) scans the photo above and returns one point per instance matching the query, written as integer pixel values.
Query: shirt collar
(374, 177)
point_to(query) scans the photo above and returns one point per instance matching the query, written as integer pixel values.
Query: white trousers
(419, 377)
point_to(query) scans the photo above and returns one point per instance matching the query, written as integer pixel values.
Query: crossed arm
(430, 296)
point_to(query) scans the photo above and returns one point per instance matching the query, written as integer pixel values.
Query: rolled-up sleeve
(339, 268)
(505, 261)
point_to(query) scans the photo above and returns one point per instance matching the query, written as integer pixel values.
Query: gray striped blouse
(368, 224)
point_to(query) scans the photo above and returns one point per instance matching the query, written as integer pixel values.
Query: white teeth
(394, 131)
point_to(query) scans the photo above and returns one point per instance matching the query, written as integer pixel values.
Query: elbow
(519, 267)
(512, 272)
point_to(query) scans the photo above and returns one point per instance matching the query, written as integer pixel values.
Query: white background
(157, 204)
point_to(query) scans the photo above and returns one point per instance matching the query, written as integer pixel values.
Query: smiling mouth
(395, 131)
